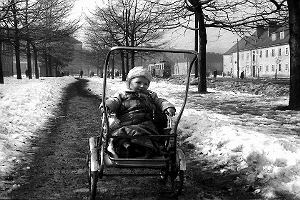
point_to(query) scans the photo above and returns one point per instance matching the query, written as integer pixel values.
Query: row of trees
(128, 23)
(37, 27)
(142, 23)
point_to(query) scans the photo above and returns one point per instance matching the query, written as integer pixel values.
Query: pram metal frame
(172, 164)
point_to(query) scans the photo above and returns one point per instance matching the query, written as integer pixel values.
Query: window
(267, 53)
(273, 36)
(286, 67)
(253, 55)
(273, 68)
(279, 67)
(286, 51)
(267, 68)
(260, 68)
(5, 47)
(281, 35)
(279, 52)
(273, 52)
(260, 53)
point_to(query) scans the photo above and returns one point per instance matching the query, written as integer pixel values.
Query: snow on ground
(25, 106)
(239, 131)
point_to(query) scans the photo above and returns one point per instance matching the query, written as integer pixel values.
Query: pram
(170, 165)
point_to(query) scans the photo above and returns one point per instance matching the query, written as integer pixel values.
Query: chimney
(272, 27)
(260, 30)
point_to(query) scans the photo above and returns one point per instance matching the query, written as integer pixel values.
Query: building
(167, 64)
(264, 54)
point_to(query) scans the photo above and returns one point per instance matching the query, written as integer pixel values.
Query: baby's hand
(102, 109)
(170, 111)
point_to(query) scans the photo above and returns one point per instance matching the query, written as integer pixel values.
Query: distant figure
(27, 73)
(215, 74)
(242, 75)
(153, 72)
(117, 73)
(92, 74)
(81, 73)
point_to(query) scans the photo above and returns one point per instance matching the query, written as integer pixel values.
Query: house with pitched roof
(264, 54)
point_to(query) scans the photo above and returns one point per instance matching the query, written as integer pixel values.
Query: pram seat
(156, 160)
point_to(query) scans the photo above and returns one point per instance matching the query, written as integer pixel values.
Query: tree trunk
(17, 41)
(132, 59)
(50, 65)
(123, 66)
(1, 70)
(294, 24)
(113, 66)
(17, 54)
(57, 73)
(196, 42)
(46, 65)
(202, 54)
(132, 52)
(36, 68)
(127, 62)
(100, 67)
(29, 67)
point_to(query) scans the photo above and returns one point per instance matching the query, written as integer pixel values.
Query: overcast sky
(217, 41)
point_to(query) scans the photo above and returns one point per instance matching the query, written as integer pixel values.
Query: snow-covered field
(238, 131)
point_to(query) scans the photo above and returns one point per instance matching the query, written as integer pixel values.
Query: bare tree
(4, 9)
(261, 13)
(51, 31)
(1, 68)
(15, 10)
(245, 15)
(238, 16)
(294, 24)
(127, 23)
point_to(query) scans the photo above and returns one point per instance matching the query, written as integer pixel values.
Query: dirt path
(58, 170)
(58, 167)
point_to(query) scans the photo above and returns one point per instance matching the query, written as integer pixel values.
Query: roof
(73, 40)
(263, 41)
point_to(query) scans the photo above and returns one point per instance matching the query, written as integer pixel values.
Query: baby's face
(139, 84)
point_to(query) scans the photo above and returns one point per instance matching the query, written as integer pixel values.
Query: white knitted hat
(136, 72)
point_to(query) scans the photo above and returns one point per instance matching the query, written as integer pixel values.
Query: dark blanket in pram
(138, 146)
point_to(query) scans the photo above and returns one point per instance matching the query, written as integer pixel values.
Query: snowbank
(25, 105)
(267, 161)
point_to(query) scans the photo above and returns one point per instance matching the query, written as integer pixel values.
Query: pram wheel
(177, 172)
(177, 184)
(93, 167)
(93, 179)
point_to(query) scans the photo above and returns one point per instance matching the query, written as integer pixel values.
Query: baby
(135, 109)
